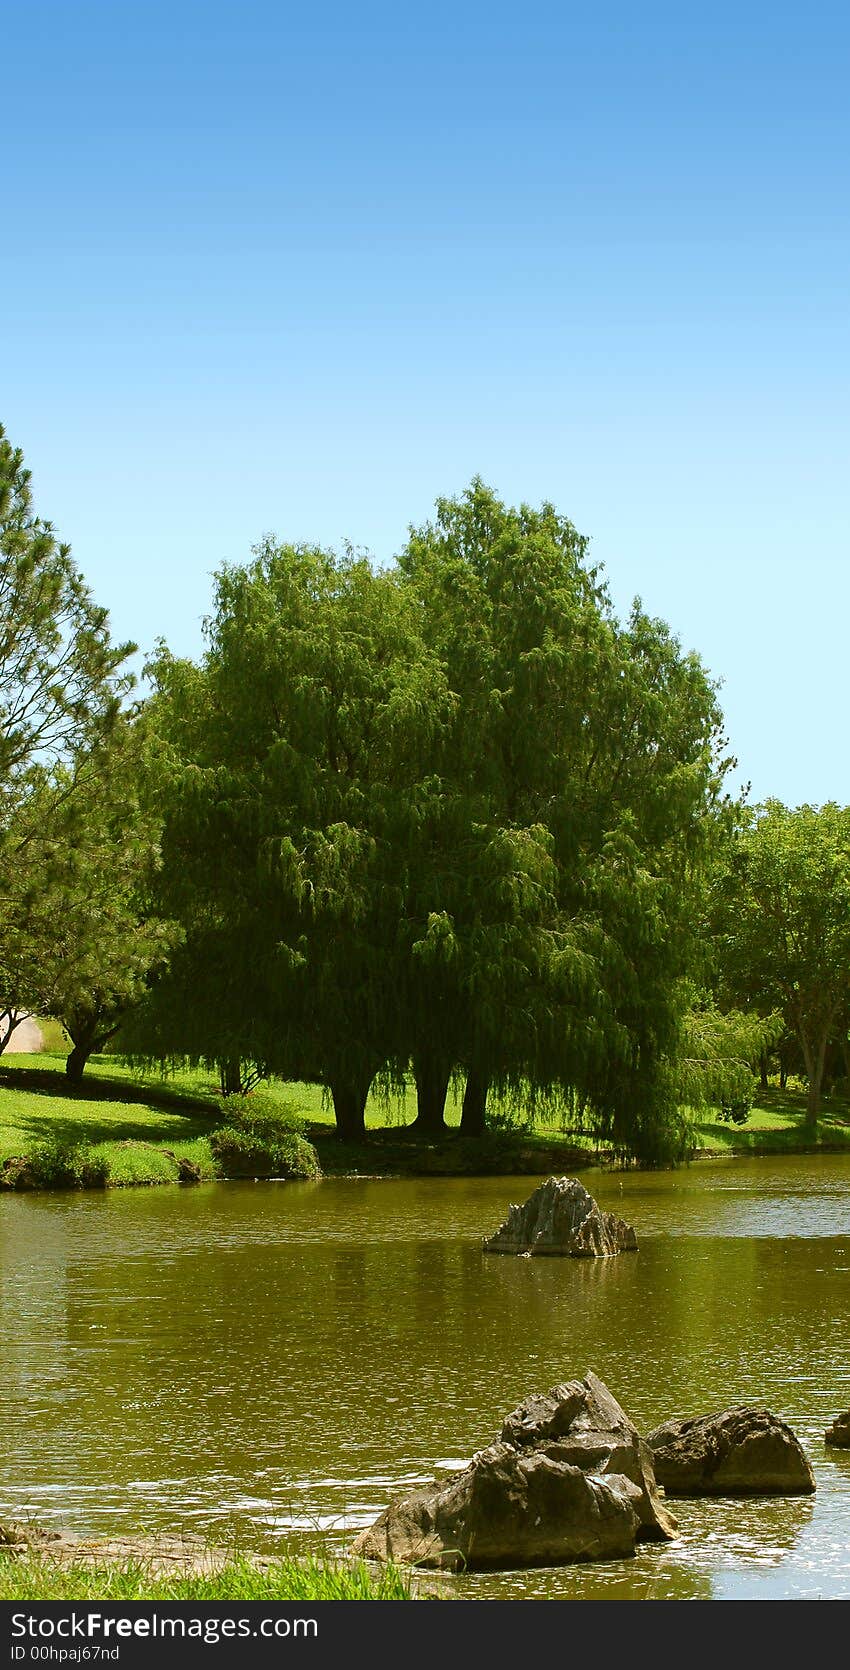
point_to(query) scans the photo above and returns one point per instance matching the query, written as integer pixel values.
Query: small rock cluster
(570, 1478)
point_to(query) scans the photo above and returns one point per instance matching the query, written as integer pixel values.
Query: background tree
(782, 913)
(61, 686)
(84, 940)
(61, 678)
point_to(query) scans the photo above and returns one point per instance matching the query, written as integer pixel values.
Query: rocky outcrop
(739, 1452)
(568, 1479)
(838, 1435)
(561, 1219)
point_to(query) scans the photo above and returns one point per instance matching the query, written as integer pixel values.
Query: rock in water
(569, 1479)
(561, 1219)
(581, 1422)
(740, 1452)
(838, 1435)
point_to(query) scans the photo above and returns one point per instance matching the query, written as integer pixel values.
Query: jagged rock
(562, 1219)
(569, 1479)
(15, 1536)
(739, 1452)
(581, 1422)
(838, 1435)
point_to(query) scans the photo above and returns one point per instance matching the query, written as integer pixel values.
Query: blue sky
(268, 272)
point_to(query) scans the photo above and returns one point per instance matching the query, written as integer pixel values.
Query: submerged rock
(561, 1219)
(569, 1479)
(739, 1452)
(838, 1435)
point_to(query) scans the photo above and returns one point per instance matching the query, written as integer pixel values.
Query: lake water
(272, 1360)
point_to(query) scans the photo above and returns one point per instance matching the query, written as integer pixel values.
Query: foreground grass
(31, 1576)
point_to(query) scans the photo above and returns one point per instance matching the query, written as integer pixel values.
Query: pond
(272, 1360)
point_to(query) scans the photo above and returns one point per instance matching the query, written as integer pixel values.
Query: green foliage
(68, 810)
(60, 676)
(719, 1050)
(261, 1141)
(781, 916)
(55, 1164)
(453, 818)
(83, 940)
(560, 856)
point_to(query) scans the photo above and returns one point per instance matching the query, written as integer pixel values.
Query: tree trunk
(763, 1069)
(349, 1099)
(230, 1076)
(815, 1059)
(432, 1086)
(76, 1063)
(474, 1111)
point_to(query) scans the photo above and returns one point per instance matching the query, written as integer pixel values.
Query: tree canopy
(448, 817)
(782, 916)
(62, 684)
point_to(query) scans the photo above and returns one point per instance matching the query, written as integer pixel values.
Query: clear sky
(268, 267)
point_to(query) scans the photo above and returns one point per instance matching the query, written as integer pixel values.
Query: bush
(58, 1165)
(264, 1142)
(736, 1113)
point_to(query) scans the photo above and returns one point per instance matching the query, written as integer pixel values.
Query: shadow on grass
(832, 1136)
(397, 1151)
(68, 1131)
(835, 1110)
(52, 1083)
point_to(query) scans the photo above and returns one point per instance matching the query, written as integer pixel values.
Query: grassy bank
(34, 1576)
(138, 1127)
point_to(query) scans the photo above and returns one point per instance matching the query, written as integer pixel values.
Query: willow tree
(298, 748)
(596, 743)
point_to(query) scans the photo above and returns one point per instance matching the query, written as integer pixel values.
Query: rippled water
(274, 1359)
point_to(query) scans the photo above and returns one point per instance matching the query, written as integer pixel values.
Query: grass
(33, 1576)
(120, 1118)
(777, 1125)
(126, 1120)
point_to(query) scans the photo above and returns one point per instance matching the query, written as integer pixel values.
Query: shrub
(58, 1165)
(736, 1113)
(264, 1142)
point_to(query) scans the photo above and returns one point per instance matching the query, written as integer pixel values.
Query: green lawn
(130, 1118)
(776, 1125)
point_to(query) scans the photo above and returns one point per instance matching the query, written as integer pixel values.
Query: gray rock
(838, 1435)
(740, 1452)
(561, 1219)
(569, 1479)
